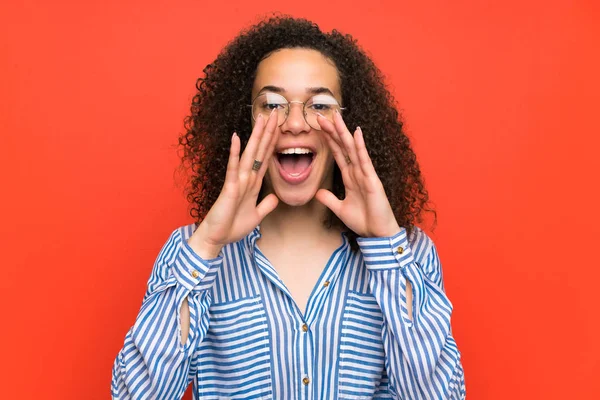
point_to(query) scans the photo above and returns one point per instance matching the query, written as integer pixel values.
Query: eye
(271, 101)
(320, 107)
(322, 103)
(271, 106)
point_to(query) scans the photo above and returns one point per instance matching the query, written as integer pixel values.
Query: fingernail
(234, 135)
(358, 128)
(259, 117)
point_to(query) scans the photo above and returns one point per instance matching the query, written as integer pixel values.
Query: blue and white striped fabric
(249, 340)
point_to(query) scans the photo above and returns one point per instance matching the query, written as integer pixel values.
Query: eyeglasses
(323, 104)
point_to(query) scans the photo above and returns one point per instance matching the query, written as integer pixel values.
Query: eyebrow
(310, 90)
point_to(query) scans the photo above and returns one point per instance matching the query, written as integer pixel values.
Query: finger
(266, 141)
(329, 127)
(336, 151)
(271, 149)
(341, 159)
(363, 156)
(265, 155)
(231, 176)
(329, 200)
(249, 153)
(267, 205)
(346, 137)
(349, 148)
(335, 144)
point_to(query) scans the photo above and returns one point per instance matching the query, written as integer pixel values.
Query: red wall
(501, 99)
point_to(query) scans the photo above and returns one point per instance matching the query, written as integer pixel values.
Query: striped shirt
(249, 340)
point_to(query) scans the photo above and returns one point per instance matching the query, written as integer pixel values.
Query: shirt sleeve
(153, 363)
(422, 359)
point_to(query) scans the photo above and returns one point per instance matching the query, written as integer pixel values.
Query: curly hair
(219, 108)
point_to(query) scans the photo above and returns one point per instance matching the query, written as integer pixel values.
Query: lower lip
(294, 179)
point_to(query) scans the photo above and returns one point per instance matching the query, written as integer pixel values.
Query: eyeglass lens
(323, 104)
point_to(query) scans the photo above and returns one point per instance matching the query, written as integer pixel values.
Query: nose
(295, 122)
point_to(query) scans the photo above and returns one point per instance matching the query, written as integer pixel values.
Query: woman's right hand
(235, 212)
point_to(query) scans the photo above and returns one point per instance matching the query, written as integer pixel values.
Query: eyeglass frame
(304, 113)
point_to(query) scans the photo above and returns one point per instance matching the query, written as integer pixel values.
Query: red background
(501, 99)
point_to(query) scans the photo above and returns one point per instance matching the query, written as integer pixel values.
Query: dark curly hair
(219, 108)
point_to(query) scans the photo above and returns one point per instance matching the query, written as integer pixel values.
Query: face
(302, 162)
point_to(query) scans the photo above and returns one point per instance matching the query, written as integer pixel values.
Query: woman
(305, 276)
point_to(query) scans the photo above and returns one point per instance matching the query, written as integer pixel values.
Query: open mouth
(295, 163)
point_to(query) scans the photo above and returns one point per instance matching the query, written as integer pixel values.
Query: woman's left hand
(365, 209)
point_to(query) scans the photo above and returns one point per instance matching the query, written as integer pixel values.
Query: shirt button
(305, 380)
(326, 283)
(195, 274)
(400, 250)
(305, 328)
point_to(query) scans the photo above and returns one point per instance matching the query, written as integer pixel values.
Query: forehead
(295, 70)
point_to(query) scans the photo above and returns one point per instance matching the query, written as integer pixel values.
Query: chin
(295, 197)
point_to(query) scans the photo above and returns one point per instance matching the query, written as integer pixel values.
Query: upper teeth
(296, 150)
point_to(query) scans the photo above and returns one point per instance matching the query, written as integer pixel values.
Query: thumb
(329, 200)
(267, 205)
